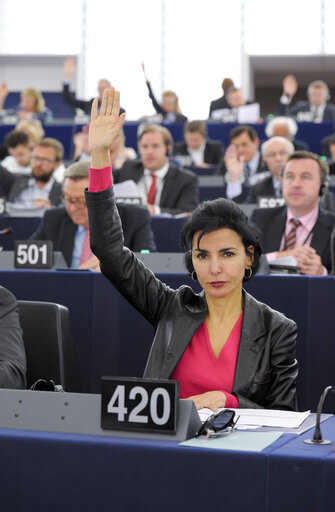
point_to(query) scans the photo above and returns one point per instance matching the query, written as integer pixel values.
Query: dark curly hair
(213, 215)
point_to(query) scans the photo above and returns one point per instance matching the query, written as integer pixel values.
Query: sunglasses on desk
(219, 424)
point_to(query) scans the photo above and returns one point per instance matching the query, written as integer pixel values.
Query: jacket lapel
(251, 344)
(167, 190)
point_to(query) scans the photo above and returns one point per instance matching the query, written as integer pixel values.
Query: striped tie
(292, 236)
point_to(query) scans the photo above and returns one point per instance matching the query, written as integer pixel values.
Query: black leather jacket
(266, 368)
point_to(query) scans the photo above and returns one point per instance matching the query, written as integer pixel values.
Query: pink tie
(86, 252)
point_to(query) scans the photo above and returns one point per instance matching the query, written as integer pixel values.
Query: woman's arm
(12, 353)
(136, 283)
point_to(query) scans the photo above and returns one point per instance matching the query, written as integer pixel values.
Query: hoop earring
(194, 276)
(250, 274)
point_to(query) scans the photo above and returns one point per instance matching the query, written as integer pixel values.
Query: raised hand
(234, 164)
(69, 68)
(290, 85)
(145, 75)
(105, 127)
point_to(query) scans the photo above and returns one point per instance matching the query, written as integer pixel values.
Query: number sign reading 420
(143, 405)
(33, 254)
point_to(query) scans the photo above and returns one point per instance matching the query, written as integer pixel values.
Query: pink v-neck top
(198, 371)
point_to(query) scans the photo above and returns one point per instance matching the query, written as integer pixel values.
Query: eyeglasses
(69, 201)
(278, 153)
(219, 424)
(45, 161)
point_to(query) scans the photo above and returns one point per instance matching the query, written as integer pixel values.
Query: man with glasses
(67, 226)
(275, 152)
(39, 189)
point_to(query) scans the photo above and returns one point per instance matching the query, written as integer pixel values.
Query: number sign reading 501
(33, 254)
(139, 404)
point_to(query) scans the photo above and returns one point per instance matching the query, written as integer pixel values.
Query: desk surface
(79, 473)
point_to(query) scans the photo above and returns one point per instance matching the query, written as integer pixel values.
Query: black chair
(49, 344)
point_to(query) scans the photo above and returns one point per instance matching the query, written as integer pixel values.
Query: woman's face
(28, 103)
(220, 262)
(169, 103)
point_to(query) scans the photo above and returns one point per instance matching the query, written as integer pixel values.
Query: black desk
(113, 339)
(80, 473)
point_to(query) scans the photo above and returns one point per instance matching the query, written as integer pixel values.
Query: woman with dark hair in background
(224, 347)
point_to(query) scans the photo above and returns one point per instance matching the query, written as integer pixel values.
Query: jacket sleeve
(274, 387)
(7, 179)
(70, 99)
(12, 353)
(155, 103)
(132, 279)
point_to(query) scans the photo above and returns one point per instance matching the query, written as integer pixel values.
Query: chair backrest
(49, 344)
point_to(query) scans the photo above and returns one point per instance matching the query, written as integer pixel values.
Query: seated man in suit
(67, 226)
(69, 68)
(242, 162)
(197, 150)
(221, 102)
(316, 109)
(275, 152)
(301, 228)
(40, 189)
(162, 186)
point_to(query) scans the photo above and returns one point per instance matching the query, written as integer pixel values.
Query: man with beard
(40, 188)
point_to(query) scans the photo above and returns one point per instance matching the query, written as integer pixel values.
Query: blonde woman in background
(32, 105)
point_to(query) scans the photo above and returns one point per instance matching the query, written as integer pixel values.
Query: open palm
(105, 127)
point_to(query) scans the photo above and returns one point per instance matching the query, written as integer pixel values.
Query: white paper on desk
(248, 113)
(126, 188)
(264, 417)
(285, 261)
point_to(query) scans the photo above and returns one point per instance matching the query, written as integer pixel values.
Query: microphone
(317, 438)
(6, 231)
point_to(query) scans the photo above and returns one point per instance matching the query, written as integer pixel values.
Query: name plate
(33, 254)
(128, 200)
(142, 405)
(270, 201)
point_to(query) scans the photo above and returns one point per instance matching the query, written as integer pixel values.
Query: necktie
(86, 252)
(247, 170)
(153, 190)
(292, 236)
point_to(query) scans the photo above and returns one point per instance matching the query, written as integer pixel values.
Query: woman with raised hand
(224, 347)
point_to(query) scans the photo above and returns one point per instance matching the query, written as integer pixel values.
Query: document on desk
(240, 441)
(255, 418)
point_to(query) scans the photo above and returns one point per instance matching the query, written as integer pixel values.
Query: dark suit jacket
(266, 368)
(12, 353)
(58, 227)
(13, 184)
(212, 155)
(264, 188)
(84, 105)
(304, 106)
(180, 190)
(178, 118)
(218, 104)
(271, 222)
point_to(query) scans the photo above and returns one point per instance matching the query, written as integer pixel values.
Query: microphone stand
(317, 438)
